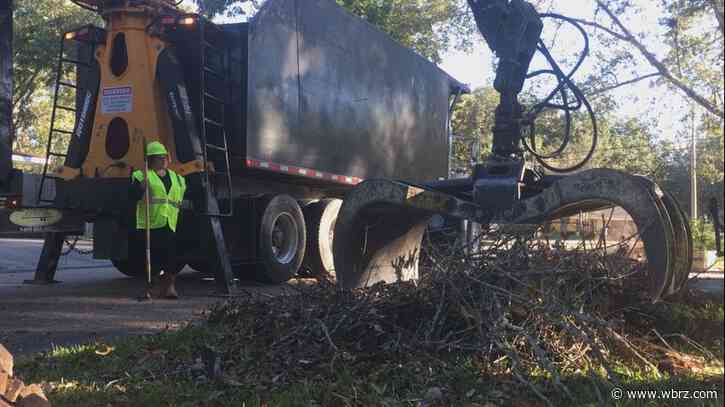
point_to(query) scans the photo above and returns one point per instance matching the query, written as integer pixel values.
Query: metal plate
(31, 221)
(331, 92)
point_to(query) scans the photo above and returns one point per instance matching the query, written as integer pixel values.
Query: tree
(39, 26)
(211, 8)
(6, 88)
(693, 64)
(472, 122)
(427, 26)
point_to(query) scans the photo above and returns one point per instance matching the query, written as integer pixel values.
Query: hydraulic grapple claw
(380, 227)
(381, 223)
(601, 188)
(682, 242)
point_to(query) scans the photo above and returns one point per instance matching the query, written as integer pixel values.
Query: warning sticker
(117, 100)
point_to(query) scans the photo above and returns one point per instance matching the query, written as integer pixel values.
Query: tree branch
(717, 8)
(601, 27)
(25, 89)
(625, 83)
(627, 36)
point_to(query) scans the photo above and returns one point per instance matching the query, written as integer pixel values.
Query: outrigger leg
(49, 257)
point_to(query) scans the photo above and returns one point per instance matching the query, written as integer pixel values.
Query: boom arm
(512, 31)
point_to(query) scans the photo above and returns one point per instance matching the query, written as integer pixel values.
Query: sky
(640, 100)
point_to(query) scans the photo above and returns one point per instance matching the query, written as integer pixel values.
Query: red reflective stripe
(301, 171)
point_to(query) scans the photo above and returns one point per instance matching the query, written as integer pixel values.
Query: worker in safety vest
(167, 190)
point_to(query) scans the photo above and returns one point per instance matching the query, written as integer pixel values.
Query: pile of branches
(517, 303)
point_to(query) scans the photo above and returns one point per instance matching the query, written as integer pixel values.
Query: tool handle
(147, 207)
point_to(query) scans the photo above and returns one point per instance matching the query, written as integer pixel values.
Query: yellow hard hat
(155, 148)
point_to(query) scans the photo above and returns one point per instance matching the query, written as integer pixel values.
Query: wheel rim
(284, 239)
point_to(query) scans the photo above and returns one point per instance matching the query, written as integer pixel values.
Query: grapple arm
(380, 227)
(379, 230)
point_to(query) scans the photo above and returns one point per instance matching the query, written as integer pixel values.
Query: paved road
(93, 301)
(711, 283)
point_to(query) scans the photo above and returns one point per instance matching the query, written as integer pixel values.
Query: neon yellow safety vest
(164, 207)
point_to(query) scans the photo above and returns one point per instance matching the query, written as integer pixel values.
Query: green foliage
(685, 53)
(703, 234)
(427, 26)
(38, 26)
(212, 8)
(628, 145)
(472, 122)
(696, 48)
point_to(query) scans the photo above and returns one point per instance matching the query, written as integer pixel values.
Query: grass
(167, 369)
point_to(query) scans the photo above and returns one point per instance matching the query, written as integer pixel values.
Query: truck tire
(282, 239)
(320, 218)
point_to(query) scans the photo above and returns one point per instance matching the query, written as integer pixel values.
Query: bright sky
(639, 100)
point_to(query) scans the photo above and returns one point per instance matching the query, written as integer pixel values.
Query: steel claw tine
(681, 261)
(601, 188)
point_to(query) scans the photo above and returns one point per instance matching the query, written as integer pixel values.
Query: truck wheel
(320, 218)
(282, 239)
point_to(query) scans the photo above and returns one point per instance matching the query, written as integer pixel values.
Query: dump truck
(311, 141)
(271, 121)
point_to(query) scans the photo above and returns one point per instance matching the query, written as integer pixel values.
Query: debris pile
(13, 392)
(516, 305)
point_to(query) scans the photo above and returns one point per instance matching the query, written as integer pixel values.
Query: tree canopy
(428, 26)
(38, 28)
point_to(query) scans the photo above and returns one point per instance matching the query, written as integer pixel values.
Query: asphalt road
(93, 300)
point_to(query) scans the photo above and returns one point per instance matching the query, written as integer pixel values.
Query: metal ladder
(215, 67)
(50, 153)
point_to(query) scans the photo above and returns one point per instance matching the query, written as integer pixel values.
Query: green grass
(163, 370)
(82, 377)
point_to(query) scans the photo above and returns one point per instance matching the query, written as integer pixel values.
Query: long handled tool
(147, 206)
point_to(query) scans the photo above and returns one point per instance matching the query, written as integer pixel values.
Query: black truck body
(318, 93)
(330, 92)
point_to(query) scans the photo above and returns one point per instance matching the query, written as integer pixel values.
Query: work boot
(168, 286)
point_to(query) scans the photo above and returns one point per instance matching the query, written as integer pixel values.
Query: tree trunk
(6, 88)
(717, 8)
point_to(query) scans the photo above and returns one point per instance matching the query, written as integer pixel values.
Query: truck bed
(328, 95)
